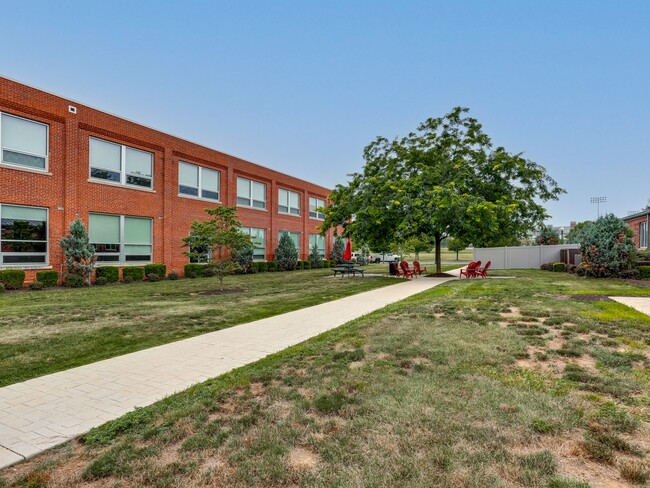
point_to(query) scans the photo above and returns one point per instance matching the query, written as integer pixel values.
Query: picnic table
(347, 269)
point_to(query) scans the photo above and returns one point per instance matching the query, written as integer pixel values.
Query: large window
(314, 205)
(295, 237)
(121, 239)
(643, 234)
(288, 202)
(23, 142)
(120, 164)
(259, 242)
(23, 235)
(251, 193)
(203, 255)
(319, 240)
(198, 181)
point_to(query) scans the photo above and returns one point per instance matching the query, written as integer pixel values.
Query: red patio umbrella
(347, 255)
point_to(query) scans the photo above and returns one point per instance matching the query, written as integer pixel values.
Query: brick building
(136, 188)
(638, 222)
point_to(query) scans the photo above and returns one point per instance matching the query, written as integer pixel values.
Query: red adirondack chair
(419, 270)
(483, 271)
(398, 272)
(471, 270)
(408, 272)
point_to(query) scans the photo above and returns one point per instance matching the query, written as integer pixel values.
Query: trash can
(392, 268)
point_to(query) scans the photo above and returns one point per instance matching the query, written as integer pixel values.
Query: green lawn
(47, 331)
(481, 383)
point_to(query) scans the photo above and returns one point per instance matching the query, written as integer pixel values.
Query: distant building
(638, 222)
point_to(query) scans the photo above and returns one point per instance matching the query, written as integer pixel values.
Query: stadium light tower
(598, 201)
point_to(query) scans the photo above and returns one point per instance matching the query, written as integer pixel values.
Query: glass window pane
(105, 154)
(137, 230)
(209, 180)
(13, 157)
(283, 198)
(24, 213)
(135, 249)
(25, 258)
(139, 162)
(188, 175)
(105, 174)
(294, 201)
(243, 190)
(104, 229)
(23, 246)
(24, 135)
(259, 191)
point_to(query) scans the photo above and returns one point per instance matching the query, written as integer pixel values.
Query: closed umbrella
(347, 255)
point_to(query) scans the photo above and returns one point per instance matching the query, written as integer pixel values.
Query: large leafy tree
(446, 178)
(548, 236)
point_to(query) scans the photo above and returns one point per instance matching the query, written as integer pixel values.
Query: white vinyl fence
(520, 257)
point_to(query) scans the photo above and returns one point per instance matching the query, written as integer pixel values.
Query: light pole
(561, 235)
(598, 201)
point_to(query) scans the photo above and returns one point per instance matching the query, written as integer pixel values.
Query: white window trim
(200, 190)
(642, 234)
(31, 169)
(289, 203)
(324, 205)
(250, 188)
(122, 254)
(123, 173)
(46, 264)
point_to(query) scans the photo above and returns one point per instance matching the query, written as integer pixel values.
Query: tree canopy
(446, 178)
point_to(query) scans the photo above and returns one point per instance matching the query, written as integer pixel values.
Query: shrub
(128, 279)
(608, 247)
(48, 278)
(192, 275)
(172, 276)
(571, 268)
(546, 267)
(262, 267)
(2, 288)
(286, 254)
(315, 260)
(111, 273)
(630, 274)
(272, 266)
(153, 277)
(13, 279)
(159, 269)
(101, 281)
(36, 285)
(306, 264)
(73, 280)
(581, 269)
(559, 267)
(193, 268)
(244, 257)
(136, 273)
(208, 272)
(548, 236)
(338, 249)
(644, 272)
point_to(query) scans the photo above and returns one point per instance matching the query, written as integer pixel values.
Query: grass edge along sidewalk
(42, 412)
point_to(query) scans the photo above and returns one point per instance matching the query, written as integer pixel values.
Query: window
(198, 181)
(23, 142)
(121, 239)
(288, 202)
(120, 164)
(251, 193)
(295, 237)
(643, 234)
(205, 254)
(259, 242)
(319, 240)
(314, 204)
(23, 235)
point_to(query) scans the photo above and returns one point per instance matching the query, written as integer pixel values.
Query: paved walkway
(642, 304)
(42, 412)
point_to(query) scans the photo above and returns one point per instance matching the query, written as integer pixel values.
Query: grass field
(47, 331)
(483, 383)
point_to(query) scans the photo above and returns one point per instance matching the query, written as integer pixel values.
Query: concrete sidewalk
(641, 304)
(42, 412)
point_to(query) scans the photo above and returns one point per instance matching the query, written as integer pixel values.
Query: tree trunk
(438, 238)
(457, 255)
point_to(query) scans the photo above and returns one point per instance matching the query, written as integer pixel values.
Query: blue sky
(303, 86)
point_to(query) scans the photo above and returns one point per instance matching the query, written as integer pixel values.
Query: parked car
(377, 258)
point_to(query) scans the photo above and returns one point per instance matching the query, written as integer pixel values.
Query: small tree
(577, 234)
(608, 248)
(548, 236)
(220, 236)
(286, 253)
(456, 245)
(79, 253)
(315, 258)
(418, 245)
(338, 249)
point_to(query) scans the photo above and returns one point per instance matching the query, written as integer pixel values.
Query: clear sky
(303, 86)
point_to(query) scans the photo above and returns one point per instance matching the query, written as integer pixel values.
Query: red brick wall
(66, 190)
(634, 225)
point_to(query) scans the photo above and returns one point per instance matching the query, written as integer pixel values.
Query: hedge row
(193, 270)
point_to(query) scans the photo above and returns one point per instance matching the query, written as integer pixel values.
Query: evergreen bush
(73, 280)
(559, 267)
(48, 278)
(306, 264)
(546, 267)
(262, 267)
(272, 266)
(338, 249)
(111, 273)
(159, 269)
(136, 273)
(79, 253)
(12, 279)
(172, 276)
(286, 254)
(244, 257)
(608, 247)
(101, 281)
(644, 272)
(299, 264)
(315, 260)
(128, 279)
(153, 277)
(193, 268)
(36, 285)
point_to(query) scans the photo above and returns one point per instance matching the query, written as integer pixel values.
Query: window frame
(288, 202)
(291, 232)
(199, 182)
(22, 166)
(122, 261)
(643, 235)
(123, 173)
(251, 200)
(324, 244)
(46, 254)
(316, 215)
(248, 231)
